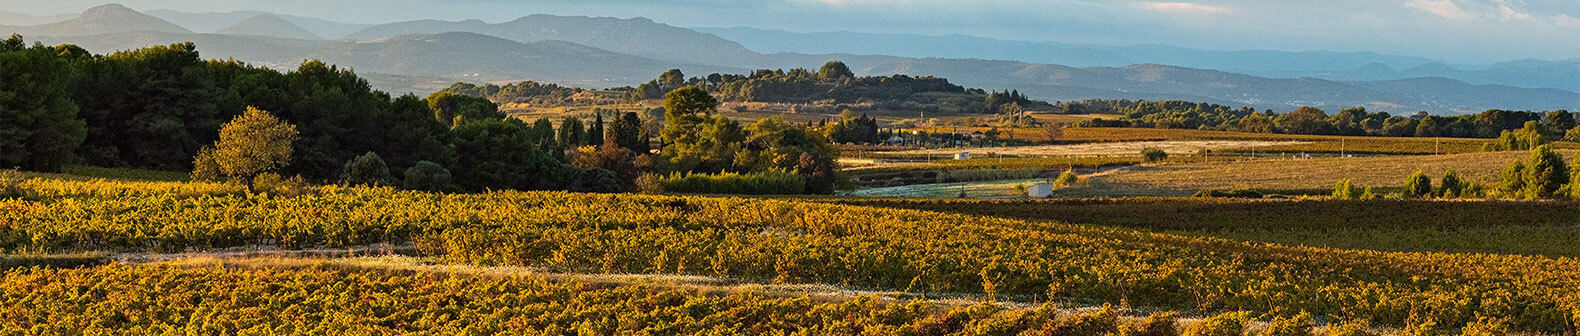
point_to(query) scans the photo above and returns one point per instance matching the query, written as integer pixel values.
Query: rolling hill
(637, 36)
(268, 25)
(104, 19)
(212, 22)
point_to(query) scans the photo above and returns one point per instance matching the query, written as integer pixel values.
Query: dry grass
(1304, 174)
(1181, 147)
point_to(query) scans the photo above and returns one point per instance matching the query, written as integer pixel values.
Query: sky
(1458, 31)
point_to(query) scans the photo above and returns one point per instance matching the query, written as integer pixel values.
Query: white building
(1040, 190)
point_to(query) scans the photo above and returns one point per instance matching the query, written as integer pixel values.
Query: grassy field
(1528, 228)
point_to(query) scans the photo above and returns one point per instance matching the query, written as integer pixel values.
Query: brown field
(1303, 174)
(1182, 147)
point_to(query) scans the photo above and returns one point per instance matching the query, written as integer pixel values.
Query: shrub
(428, 176)
(1102, 322)
(1298, 325)
(1352, 328)
(1513, 180)
(1237, 193)
(1418, 185)
(1157, 324)
(1343, 190)
(1226, 324)
(273, 184)
(1453, 185)
(1067, 178)
(594, 180)
(759, 183)
(367, 169)
(11, 184)
(1368, 194)
(1544, 173)
(1153, 155)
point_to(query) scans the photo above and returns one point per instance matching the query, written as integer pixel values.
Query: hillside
(268, 25)
(104, 19)
(22, 19)
(637, 36)
(211, 22)
(449, 56)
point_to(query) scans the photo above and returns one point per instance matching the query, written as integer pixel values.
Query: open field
(1304, 174)
(1529, 228)
(1182, 147)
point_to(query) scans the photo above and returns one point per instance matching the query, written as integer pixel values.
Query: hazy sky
(1465, 31)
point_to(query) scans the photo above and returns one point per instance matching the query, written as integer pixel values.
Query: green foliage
(1153, 154)
(572, 133)
(1512, 180)
(456, 109)
(1368, 194)
(1572, 135)
(594, 180)
(1351, 328)
(694, 139)
(758, 183)
(1226, 324)
(1066, 179)
(1343, 190)
(1156, 324)
(1420, 326)
(273, 184)
(1298, 325)
(428, 176)
(39, 129)
(253, 143)
(853, 129)
(1418, 185)
(499, 154)
(1526, 138)
(1487, 326)
(1544, 173)
(1453, 185)
(627, 133)
(11, 184)
(834, 70)
(525, 92)
(369, 170)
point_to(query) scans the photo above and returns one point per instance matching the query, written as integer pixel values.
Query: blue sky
(1463, 31)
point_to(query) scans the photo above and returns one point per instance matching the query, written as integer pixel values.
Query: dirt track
(1107, 149)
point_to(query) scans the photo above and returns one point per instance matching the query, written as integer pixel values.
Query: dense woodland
(1307, 120)
(166, 108)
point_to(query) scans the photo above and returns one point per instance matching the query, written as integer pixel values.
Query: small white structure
(1040, 190)
(963, 156)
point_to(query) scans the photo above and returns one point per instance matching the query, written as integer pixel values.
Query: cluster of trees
(1007, 102)
(1544, 175)
(525, 92)
(834, 82)
(1309, 120)
(851, 128)
(165, 108)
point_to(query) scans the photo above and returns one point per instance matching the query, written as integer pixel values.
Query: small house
(963, 156)
(1040, 190)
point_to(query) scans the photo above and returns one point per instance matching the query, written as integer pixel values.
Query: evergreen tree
(39, 129)
(1545, 173)
(572, 133)
(1453, 185)
(428, 176)
(1343, 190)
(1418, 185)
(368, 169)
(595, 131)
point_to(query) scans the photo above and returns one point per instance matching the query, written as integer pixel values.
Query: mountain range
(421, 56)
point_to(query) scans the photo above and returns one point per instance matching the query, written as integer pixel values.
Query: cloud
(1444, 8)
(1183, 8)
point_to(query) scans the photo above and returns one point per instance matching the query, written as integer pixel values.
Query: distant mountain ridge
(213, 22)
(268, 25)
(636, 36)
(105, 19)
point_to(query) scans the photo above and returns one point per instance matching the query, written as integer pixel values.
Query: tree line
(165, 108)
(1355, 121)
(834, 82)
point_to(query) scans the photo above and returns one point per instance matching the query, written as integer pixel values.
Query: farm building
(963, 156)
(1040, 190)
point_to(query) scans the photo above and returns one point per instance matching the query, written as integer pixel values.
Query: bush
(1157, 324)
(273, 184)
(1237, 193)
(367, 169)
(428, 176)
(594, 180)
(1226, 324)
(1343, 190)
(1418, 185)
(11, 184)
(1067, 178)
(1298, 325)
(1368, 194)
(1453, 186)
(1153, 155)
(760, 183)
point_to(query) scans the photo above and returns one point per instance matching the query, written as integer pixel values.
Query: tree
(834, 70)
(367, 169)
(428, 176)
(1418, 185)
(672, 79)
(1512, 179)
(1343, 190)
(594, 180)
(498, 154)
(1066, 179)
(1054, 131)
(1559, 122)
(572, 133)
(39, 129)
(250, 144)
(1305, 120)
(542, 135)
(455, 109)
(1545, 173)
(627, 133)
(694, 139)
(596, 130)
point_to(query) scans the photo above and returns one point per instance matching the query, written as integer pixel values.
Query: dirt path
(1106, 149)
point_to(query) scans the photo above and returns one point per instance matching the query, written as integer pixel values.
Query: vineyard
(928, 254)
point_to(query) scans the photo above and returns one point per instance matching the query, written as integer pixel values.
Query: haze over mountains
(421, 56)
